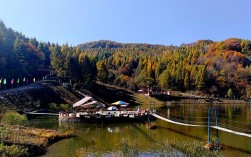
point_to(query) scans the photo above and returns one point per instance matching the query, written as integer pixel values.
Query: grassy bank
(34, 141)
(17, 140)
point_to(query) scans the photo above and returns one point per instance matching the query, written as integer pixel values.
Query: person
(138, 110)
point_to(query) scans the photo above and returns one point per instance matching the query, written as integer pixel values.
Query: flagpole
(12, 82)
(0, 83)
(18, 82)
(4, 82)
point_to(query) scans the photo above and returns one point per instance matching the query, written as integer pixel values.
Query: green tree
(59, 60)
(88, 69)
(230, 93)
(102, 70)
(200, 77)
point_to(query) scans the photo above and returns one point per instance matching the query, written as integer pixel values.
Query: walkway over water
(47, 114)
(192, 125)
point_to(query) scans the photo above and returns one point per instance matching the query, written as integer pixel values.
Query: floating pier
(105, 116)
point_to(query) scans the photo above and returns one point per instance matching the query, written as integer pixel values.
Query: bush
(65, 107)
(60, 107)
(13, 150)
(53, 106)
(14, 118)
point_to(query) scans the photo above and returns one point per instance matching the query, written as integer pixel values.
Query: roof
(82, 101)
(90, 103)
(120, 103)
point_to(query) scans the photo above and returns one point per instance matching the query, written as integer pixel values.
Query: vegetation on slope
(36, 96)
(212, 67)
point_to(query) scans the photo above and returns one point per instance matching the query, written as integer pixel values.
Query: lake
(108, 136)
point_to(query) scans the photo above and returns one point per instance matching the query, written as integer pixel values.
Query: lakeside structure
(90, 111)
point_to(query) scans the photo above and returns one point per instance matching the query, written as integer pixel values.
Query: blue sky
(163, 22)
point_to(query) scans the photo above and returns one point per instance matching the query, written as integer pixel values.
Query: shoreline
(208, 101)
(34, 140)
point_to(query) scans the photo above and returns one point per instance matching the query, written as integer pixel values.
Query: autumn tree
(102, 71)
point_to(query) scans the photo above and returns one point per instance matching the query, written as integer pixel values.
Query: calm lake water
(108, 136)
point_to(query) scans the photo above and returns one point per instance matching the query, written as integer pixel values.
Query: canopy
(82, 101)
(112, 108)
(120, 103)
(89, 103)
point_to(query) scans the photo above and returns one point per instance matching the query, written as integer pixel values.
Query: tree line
(211, 67)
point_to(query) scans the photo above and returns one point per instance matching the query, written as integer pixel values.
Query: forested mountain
(20, 56)
(214, 67)
(220, 68)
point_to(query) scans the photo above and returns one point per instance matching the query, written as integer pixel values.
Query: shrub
(65, 107)
(14, 118)
(53, 106)
(13, 150)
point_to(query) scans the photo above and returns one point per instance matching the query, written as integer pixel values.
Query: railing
(36, 113)
(243, 130)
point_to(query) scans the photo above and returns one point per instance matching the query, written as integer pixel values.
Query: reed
(161, 148)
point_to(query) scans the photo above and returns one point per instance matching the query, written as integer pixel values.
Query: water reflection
(107, 136)
(113, 129)
(232, 116)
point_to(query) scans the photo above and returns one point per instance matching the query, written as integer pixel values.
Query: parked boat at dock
(92, 111)
(105, 116)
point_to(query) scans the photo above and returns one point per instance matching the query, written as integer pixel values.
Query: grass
(12, 151)
(30, 136)
(33, 139)
(161, 148)
(144, 101)
(109, 94)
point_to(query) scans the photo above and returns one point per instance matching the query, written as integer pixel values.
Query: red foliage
(233, 44)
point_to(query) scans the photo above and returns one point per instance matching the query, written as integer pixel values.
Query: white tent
(112, 108)
(82, 101)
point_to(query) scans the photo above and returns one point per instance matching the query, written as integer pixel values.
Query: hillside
(35, 96)
(217, 68)
(212, 67)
